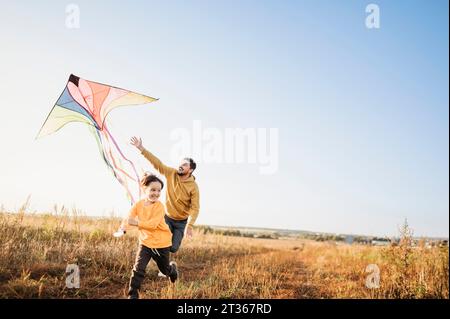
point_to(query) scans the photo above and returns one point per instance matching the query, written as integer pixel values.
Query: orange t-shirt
(153, 230)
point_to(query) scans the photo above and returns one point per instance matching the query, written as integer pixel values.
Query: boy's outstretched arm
(163, 169)
(132, 214)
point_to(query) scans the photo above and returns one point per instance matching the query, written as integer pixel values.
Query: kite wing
(90, 102)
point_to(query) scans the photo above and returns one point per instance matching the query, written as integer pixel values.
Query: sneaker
(174, 275)
(133, 294)
(119, 233)
(160, 274)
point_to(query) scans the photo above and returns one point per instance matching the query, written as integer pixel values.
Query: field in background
(36, 249)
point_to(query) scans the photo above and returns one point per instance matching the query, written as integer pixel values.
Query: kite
(90, 102)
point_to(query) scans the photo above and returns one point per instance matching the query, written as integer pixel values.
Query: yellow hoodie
(153, 230)
(182, 197)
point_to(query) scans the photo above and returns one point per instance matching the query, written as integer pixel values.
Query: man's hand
(132, 222)
(189, 231)
(137, 142)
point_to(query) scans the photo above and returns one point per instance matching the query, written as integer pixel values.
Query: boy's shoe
(119, 233)
(160, 274)
(174, 276)
(133, 294)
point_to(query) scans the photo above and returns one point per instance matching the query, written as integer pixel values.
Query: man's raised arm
(163, 169)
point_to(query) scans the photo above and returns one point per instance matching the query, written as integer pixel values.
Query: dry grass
(35, 250)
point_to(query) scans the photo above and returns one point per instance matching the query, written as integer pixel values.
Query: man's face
(184, 169)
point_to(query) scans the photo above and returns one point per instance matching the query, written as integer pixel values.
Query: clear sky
(362, 114)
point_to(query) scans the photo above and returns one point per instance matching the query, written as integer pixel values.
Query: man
(182, 195)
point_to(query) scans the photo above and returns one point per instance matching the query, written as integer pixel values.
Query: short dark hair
(150, 178)
(192, 164)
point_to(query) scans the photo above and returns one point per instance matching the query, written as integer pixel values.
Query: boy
(155, 238)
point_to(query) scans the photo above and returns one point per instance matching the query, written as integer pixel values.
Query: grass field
(35, 250)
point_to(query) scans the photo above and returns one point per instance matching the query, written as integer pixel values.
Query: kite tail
(98, 139)
(112, 166)
(126, 159)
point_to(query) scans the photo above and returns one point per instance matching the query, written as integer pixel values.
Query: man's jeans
(177, 228)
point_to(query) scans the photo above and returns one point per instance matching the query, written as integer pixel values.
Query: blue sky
(362, 113)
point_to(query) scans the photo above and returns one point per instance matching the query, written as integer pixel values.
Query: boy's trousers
(143, 257)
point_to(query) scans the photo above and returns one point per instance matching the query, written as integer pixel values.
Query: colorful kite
(90, 102)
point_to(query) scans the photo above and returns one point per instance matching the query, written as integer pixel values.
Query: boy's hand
(137, 142)
(132, 222)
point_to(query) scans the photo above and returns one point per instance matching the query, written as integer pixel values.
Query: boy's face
(153, 191)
